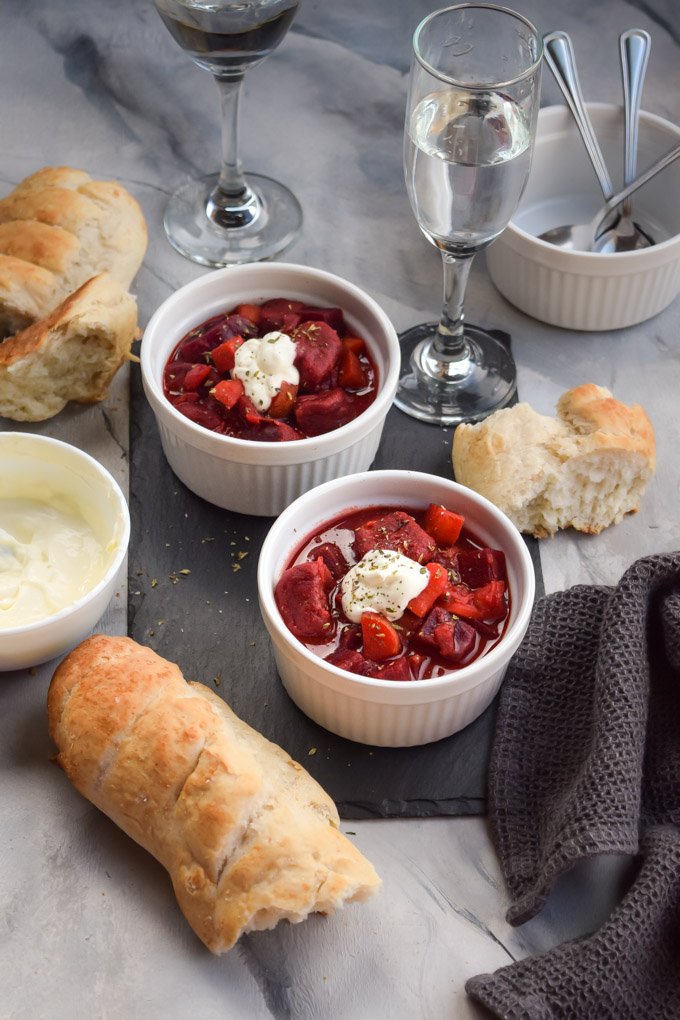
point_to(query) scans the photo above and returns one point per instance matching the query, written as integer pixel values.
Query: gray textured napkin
(586, 760)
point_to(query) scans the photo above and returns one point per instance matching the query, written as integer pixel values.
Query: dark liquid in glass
(230, 39)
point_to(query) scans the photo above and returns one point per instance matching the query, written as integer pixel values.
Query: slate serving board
(193, 598)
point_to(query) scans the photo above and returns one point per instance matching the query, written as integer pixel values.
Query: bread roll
(248, 837)
(70, 227)
(72, 354)
(585, 469)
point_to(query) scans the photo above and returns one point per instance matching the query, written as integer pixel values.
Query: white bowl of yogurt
(64, 532)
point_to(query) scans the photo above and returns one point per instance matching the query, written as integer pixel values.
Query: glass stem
(231, 204)
(232, 182)
(449, 341)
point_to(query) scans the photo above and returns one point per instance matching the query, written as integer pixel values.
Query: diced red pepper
(381, 640)
(485, 603)
(444, 525)
(355, 344)
(437, 584)
(224, 356)
(196, 375)
(282, 404)
(351, 374)
(228, 392)
(251, 312)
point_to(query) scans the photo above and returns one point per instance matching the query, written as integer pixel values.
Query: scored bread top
(247, 836)
(71, 228)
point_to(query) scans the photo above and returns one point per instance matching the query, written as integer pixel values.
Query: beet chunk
(317, 356)
(332, 556)
(280, 314)
(270, 430)
(479, 566)
(352, 661)
(198, 344)
(397, 531)
(317, 413)
(332, 316)
(301, 594)
(206, 414)
(454, 639)
(350, 638)
(395, 669)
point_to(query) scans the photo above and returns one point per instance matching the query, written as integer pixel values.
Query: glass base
(261, 227)
(449, 391)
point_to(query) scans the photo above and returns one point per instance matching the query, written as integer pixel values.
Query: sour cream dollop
(264, 365)
(49, 558)
(384, 581)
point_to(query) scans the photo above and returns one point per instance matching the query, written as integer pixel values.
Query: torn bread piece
(68, 228)
(72, 354)
(585, 469)
(248, 837)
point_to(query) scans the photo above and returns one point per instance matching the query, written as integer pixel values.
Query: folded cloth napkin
(586, 760)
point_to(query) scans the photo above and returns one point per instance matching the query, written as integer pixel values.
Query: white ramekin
(243, 475)
(387, 712)
(588, 290)
(41, 467)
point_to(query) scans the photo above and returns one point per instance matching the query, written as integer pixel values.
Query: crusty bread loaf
(63, 226)
(585, 469)
(248, 837)
(72, 354)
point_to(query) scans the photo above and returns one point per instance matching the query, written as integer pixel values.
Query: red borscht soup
(396, 593)
(277, 371)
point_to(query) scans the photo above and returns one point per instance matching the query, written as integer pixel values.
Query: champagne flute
(470, 126)
(230, 218)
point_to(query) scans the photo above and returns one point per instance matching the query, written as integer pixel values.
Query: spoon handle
(559, 55)
(634, 48)
(625, 193)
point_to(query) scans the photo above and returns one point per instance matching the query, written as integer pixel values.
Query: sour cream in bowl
(64, 531)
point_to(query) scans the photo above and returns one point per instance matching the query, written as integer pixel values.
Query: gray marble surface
(88, 923)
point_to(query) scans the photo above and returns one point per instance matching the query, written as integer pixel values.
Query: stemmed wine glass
(470, 126)
(228, 218)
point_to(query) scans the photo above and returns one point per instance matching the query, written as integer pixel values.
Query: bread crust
(71, 354)
(63, 222)
(586, 469)
(247, 836)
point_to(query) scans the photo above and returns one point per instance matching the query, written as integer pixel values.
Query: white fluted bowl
(243, 475)
(37, 468)
(590, 291)
(391, 713)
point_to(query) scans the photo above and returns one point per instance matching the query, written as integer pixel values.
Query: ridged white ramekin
(388, 712)
(587, 290)
(38, 467)
(243, 475)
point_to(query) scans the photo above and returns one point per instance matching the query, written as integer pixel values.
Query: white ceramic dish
(38, 467)
(587, 290)
(263, 478)
(387, 712)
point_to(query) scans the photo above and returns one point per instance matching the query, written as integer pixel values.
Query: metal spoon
(585, 236)
(634, 46)
(559, 55)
